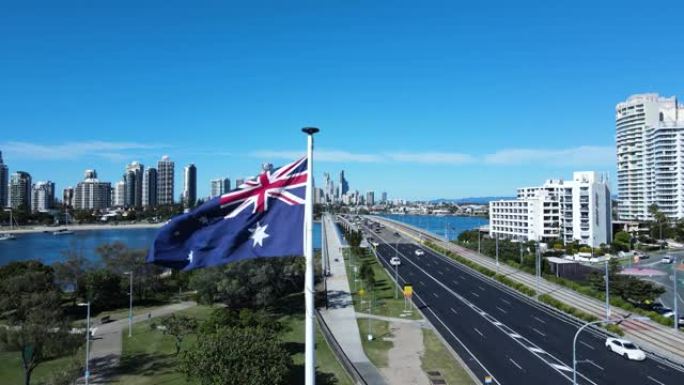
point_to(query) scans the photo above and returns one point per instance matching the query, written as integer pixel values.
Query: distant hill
(474, 200)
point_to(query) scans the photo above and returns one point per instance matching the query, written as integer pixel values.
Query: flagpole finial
(310, 130)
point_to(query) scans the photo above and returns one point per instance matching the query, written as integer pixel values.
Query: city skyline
(445, 92)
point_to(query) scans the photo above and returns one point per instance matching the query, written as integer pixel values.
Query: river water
(451, 226)
(49, 248)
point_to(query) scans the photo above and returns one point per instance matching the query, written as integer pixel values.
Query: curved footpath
(657, 338)
(106, 345)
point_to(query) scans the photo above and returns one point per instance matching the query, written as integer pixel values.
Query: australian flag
(264, 217)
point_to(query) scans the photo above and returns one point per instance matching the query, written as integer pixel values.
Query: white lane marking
(515, 363)
(593, 363)
(452, 309)
(505, 301)
(455, 282)
(460, 342)
(461, 277)
(502, 310)
(440, 272)
(475, 294)
(561, 367)
(587, 345)
(538, 332)
(481, 288)
(536, 350)
(421, 282)
(435, 294)
(479, 332)
(539, 319)
(661, 367)
(654, 380)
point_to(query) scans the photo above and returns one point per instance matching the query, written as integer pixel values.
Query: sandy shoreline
(84, 227)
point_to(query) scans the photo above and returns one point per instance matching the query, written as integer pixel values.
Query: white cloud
(320, 155)
(576, 156)
(571, 157)
(74, 150)
(452, 158)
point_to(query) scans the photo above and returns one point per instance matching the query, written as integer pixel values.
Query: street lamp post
(676, 314)
(130, 303)
(496, 239)
(396, 274)
(574, 341)
(87, 354)
(607, 292)
(478, 240)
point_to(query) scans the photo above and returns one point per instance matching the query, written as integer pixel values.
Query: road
(500, 332)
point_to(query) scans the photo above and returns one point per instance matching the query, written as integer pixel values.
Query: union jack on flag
(263, 217)
(255, 193)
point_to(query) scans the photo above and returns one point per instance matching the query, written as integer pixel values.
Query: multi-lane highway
(499, 332)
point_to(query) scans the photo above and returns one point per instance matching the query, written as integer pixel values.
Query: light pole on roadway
(130, 302)
(87, 353)
(574, 341)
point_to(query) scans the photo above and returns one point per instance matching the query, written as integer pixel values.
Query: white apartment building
(91, 194)
(118, 194)
(579, 209)
(219, 186)
(42, 196)
(650, 156)
(165, 170)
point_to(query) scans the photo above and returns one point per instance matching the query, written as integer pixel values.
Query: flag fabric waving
(264, 217)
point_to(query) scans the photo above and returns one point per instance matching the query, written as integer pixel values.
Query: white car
(419, 252)
(395, 261)
(625, 348)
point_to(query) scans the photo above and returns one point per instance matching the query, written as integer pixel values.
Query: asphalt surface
(501, 333)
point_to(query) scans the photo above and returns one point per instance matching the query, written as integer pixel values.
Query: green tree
(179, 326)
(72, 270)
(237, 356)
(104, 289)
(31, 304)
(622, 241)
(252, 283)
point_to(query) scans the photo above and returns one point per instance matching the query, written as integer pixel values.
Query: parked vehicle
(395, 261)
(625, 348)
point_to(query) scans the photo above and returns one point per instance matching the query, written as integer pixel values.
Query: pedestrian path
(660, 339)
(106, 346)
(340, 315)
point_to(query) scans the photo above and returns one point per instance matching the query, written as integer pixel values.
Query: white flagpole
(309, 331)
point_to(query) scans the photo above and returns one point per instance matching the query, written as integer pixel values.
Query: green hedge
(547, 299)
(490, 273)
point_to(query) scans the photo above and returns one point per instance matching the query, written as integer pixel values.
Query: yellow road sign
(408, 290)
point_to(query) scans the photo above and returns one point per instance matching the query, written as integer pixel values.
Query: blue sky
(420, 99)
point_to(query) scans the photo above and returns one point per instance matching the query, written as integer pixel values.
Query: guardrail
(338, 352)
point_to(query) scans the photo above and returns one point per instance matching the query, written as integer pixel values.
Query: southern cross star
(259, 234)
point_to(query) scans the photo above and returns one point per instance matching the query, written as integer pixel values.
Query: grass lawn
(11, 372)
(148, 357)
(385, 303)
(377, 349)
(438, 358)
